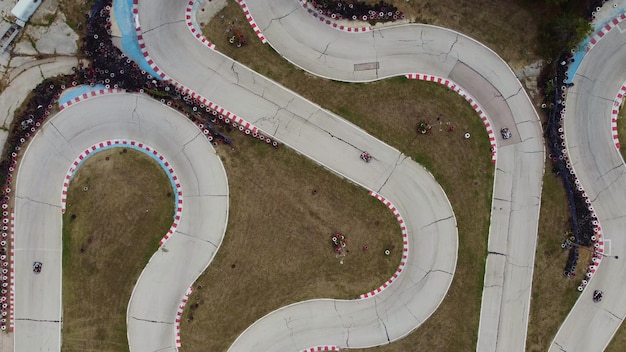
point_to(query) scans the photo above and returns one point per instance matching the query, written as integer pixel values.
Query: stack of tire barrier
(6, 290)
(357, 10)
(593, 7)
(24, 127)
(586, 229)
(113, 69)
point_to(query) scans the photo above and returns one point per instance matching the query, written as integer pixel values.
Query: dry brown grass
(277, 247)
(109, 233)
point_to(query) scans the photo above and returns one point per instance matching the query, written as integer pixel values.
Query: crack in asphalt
(198, 238)
(38, 201)
(60, 134)
(560, 347)
(193, 139)
(205, 195)
(588, 93)
(381, 320)
(607, 187)
(514, 94)
(496, 253)
(456, 40)
(38, 320)
(518, 265)
(161, 25)
(323, 53)
(423, 42)
(395, 166)
(436, 221)
(232, 68)
(154, 321)
(612, 314)
(279, 18)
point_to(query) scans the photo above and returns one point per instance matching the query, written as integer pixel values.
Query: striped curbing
(604, 30)
(144, 148)
(179, 315)
(253, 24)
(242, 124)
(89, 95)
(195, 31)
(405, 248)
(617, 103)
(322, 348)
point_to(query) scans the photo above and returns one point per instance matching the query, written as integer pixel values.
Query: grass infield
(110, 232)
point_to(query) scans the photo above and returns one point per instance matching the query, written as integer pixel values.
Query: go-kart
(37, 266)
(365, 156)
(506, 133)
(597, 296)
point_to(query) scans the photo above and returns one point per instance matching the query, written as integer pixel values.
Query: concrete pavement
(336, 144)
(447, 54)
(600, 168)
(38, 313)
(22, 80)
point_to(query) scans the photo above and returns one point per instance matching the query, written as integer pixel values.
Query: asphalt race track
(317, 134)
(38, 218)
(336, 144)
(600, 168)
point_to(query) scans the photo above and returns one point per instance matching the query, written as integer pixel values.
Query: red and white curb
(604, 30)
(253, 24)
(12, 275)
(179, 315)
(331, 21)
(483, 116)
(121, 143)
(322, 348)
(227, 116)
(617, 103)
(142, 44)
(7, 260)
(197, 32)
(89, 95)
(405, 247)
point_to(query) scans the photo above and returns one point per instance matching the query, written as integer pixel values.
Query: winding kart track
(38, 218)
(600, 168)
(336, 144)
(317, 134)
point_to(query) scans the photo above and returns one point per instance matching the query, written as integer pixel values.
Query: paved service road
(600, 168)
(38, 219)
(336, 144)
